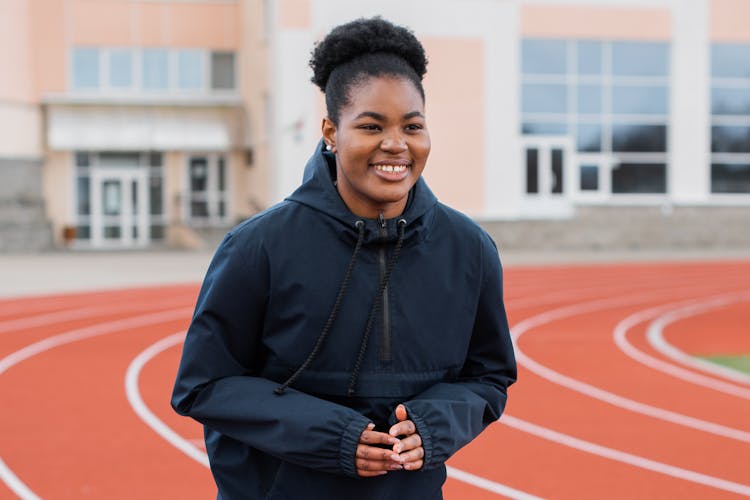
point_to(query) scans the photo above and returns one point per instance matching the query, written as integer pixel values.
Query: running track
(610, 404)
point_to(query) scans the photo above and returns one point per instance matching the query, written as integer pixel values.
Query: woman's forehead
(384, 92)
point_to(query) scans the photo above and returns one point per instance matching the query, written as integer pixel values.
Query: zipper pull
(381, 219)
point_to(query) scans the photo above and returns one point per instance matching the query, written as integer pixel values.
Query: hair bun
(364, 36)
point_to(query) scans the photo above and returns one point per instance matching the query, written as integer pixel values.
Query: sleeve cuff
(424, 433)
(348, 449)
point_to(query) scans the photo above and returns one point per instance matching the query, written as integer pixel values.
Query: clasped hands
(405, 448)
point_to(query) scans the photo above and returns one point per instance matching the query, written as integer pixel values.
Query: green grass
(741, 363)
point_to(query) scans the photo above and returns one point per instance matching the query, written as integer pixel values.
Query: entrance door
(547, 176)
(119, 203)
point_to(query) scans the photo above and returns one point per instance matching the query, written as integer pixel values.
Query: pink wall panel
(730, 20)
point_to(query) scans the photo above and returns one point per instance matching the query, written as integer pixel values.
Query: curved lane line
(621, 456)
(136, 401)
(620, 333)
(656, 339)
(601, 394)
(185, 446)
(6, 474)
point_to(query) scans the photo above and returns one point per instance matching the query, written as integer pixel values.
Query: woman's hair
(364, 48)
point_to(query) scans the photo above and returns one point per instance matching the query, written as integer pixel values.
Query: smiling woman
(355, 333)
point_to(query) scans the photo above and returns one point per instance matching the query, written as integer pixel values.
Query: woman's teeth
(391, 168)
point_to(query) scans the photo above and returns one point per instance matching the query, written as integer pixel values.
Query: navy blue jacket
(439, 343)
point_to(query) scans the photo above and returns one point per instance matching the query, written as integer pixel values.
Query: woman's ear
(329, 134)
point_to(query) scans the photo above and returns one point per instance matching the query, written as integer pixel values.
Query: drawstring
(376, 306)
(331, 317)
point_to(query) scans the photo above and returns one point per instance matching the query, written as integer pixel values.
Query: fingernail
(395, 458)
(398, 448)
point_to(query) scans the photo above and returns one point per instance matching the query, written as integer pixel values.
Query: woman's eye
(369, 127)
(414, 126)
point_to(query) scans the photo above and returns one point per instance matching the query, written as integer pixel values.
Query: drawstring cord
(334, 311)
(376, 306)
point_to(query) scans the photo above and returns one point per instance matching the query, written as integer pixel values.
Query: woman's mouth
(391, 172)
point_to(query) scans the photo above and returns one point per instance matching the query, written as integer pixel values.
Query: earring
(328, 147)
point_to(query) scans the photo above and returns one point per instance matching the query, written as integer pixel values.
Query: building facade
(132, 123)
(144, 118)
(540, 107)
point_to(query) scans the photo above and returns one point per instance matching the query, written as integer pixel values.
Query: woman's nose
(393, 142)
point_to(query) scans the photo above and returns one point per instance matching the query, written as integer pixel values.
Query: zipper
(385, 344)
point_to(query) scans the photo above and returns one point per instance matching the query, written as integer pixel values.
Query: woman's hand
(409, 446)
(373, 460)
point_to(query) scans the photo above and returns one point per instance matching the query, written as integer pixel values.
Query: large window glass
(222, 71)
(543, 57)
(640, 59)
(611, 98)
(190, 69)
(155, 69)
(730, 118)
(730, 60)
(86, 68)
(121, 68)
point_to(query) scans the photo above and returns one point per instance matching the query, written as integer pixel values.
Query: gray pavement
(58, 272)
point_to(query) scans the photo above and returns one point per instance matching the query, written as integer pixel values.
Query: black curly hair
(364, 48)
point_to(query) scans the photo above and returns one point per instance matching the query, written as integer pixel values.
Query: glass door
(547, 176)
(119, 215)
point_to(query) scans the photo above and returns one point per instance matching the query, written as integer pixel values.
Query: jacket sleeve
(217, 382)
(449, 415)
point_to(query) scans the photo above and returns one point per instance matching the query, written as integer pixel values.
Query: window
(730, 118)
(207, 190)
(222, 70)
(190, 69)
(612, 98)
(152, 70)
(86, 68)
(155, 69)
(639, 178)
(121, 68)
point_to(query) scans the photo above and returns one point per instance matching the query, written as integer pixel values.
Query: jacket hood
(318, 192)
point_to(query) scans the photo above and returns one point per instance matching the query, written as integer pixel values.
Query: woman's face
(381, 145)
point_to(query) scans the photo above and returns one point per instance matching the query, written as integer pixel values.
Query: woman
(350, 339)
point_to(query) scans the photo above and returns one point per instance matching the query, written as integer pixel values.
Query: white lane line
(488, 485)
(621, 456)
(82, 313)
(136, 401)
(620, 335)
(601, 394)
(190, 449)
(6, 474)
(16, 485)
(656, 338)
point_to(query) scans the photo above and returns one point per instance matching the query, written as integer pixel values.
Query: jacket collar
(319, 193)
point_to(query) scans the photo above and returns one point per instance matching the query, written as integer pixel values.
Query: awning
(113, 127)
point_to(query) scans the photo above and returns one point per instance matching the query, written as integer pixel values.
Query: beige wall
(578, 21)
(455, 93)
(730, 21)
(57, 188)
(214, 25)
(254, 79)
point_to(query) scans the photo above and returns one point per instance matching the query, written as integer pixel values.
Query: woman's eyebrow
(379, 117)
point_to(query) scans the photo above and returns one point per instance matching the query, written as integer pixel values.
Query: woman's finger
(401, 413)
(404, 428)
(375, 453)
(375, 437)
(408, 443)
(414, 465)
(376, 465)
(412, 456)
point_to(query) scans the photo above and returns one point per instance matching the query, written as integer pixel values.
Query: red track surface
(585, 420)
